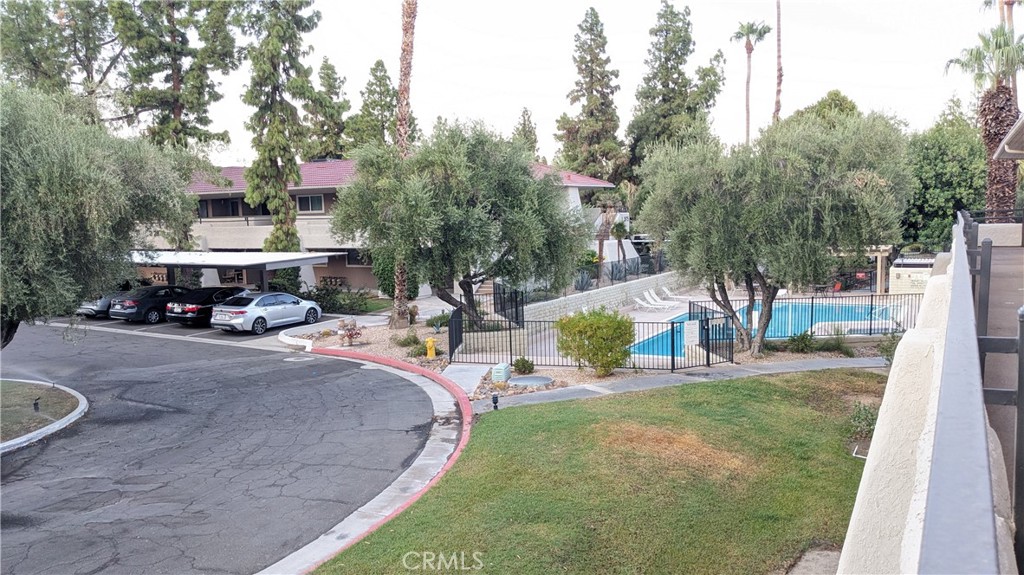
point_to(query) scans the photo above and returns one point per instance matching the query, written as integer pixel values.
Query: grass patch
(374, 305)
(728, 477)
(16, 414)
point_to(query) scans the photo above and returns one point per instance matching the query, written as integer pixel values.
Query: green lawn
(17, 416)
(729, 477)
(376, 304)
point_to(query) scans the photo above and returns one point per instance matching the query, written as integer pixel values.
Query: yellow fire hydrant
(431, 351)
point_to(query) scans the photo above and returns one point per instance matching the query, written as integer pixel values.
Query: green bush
(522, 366)
(420, 350)
(410, 339)
(863, 420)
(286, 280)
(803, 343)
(837, 342)
(597, 338)
(771, 345)
(353, 301)
(887, 348)
(327, 296)
(439, 320)
(384, 271)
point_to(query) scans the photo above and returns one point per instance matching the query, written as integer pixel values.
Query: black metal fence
(702, 341)
(587, 277)
(873, 314)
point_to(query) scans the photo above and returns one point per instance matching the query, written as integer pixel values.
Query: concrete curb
(298, 344)
(395, 498)
(19, 442)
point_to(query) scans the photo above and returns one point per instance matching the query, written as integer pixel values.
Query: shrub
(771, 345)
(582, 281)
(353, 301)
(588, 258)
(863, 419)
(633, 267)
(384, 271)
(414, 310)
(598, 338)
(410, 339)
(522, 366)
(327, 296)
(616, 272)
(418, 350)
(803, 343)
(286, 280)
(837, 342)
(440, 320)
(887, 347)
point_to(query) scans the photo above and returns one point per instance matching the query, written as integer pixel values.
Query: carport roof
(1012, 146)
(247, 260)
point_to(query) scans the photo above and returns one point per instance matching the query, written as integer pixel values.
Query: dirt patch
(673, 448)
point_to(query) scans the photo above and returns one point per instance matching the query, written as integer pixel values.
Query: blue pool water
(789, 318)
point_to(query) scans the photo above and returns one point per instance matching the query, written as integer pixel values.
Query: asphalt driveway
(197, 458)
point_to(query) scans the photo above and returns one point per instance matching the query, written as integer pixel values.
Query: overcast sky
(486, 60)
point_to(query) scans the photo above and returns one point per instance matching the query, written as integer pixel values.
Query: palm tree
(619, 232)
(400, 315)
(778, 61)
(992, 63)
(751, 33)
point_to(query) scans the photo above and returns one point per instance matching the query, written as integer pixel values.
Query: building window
(311, 204)
(203, 212)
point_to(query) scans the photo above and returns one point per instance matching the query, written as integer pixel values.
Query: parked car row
(227, 308)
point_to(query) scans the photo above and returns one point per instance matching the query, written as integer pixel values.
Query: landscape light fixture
(494, 400)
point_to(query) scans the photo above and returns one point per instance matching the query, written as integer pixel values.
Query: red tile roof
(335, 173)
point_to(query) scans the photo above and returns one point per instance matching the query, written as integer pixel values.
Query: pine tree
(169, 73)
(589, 143)
(376, 120)
(278, 76)
(526, 132)
(671, 104)
(327, 138)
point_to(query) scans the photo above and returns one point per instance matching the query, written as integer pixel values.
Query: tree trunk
(404, 76)
(750, 53)
(468, 303)
(8, 327)
(720, 296)
(768, 293)
(778, 61)
(400, 312)
(400, 315)
(998, 112)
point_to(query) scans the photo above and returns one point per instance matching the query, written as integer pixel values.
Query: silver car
(257, 312)
(98, 307)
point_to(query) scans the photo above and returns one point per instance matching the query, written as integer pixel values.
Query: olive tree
(76, 200)
(784, 212)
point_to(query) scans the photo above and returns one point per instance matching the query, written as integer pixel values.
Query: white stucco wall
(1001, 234)
(612, 297)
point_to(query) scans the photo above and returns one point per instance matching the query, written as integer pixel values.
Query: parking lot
(195, 457)
(201, 333)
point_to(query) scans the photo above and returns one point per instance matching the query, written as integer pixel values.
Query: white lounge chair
(654, 299)
(641, 304)
(671, 295)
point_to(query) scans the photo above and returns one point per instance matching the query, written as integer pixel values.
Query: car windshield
(239, 301)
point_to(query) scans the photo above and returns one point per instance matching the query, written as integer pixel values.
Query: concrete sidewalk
(468, 377)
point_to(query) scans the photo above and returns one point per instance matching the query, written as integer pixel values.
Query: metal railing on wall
(586, 278)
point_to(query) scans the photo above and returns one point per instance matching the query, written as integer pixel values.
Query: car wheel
(259, 326)
(311, 316)
(152, 316)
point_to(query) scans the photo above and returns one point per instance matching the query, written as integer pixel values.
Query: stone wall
(611, 297)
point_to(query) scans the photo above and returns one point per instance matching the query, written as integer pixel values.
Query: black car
(196, 307)
(146, 304)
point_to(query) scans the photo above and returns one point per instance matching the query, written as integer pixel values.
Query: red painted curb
(461, 399)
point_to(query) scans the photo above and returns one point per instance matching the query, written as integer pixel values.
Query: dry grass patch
(669, 447)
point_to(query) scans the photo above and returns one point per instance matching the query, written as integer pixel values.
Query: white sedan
(257, 312)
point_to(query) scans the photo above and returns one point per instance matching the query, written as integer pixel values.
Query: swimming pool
(821, 316)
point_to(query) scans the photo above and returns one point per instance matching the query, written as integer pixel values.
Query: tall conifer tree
(671, 104)
(589, 143)
(526, 132)
(169, 71)
(278, 79)
(376, 120)
(324, 115)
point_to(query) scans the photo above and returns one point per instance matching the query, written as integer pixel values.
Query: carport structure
(223, 261)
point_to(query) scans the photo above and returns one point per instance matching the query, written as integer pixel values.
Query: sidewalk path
(463, 375)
